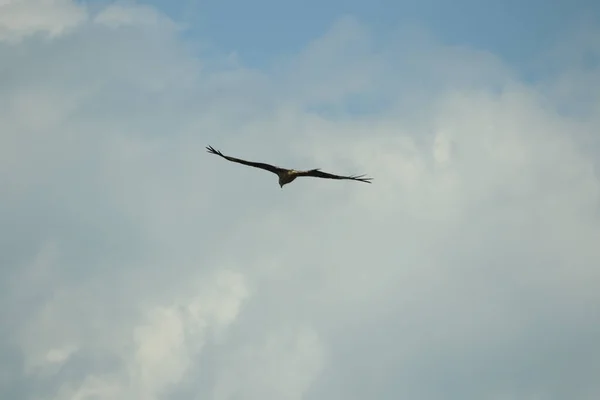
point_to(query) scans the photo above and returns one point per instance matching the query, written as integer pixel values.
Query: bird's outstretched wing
(264, 166)
(317, 173)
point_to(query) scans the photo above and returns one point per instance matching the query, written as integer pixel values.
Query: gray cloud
(135, 265)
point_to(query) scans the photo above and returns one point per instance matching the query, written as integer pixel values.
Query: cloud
(22, 18)
(290, 359)
(139, 266)
(121, 15)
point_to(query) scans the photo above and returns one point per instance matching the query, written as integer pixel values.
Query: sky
(135, 265)
(263, 29)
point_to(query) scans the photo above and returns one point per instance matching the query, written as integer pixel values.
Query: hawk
(288, 175)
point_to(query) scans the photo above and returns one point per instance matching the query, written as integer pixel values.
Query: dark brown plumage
(288, 175)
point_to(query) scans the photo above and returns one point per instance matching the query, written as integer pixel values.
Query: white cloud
(167, 344)
(139, 266)
(283, 366)
(122, 14)
(60, 355)
(21, 18)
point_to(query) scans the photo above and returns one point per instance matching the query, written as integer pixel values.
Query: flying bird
(288, 175)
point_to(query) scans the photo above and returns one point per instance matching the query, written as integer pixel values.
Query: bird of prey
(288, 175)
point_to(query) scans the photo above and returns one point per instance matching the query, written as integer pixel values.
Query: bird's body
(288, 175)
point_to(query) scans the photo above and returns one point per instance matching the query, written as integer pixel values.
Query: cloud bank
(137, 266)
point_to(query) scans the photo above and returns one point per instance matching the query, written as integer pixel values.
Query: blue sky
(262, 29)
(135, 265)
